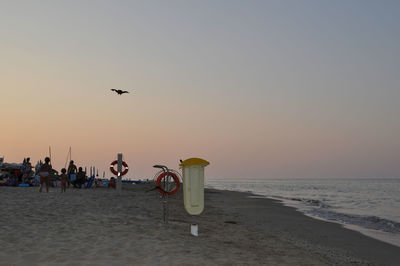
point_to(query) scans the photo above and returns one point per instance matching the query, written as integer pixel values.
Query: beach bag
(72, 177)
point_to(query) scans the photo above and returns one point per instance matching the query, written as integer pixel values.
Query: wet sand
(99, 227)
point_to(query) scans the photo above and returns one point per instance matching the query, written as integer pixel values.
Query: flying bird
(120, 92)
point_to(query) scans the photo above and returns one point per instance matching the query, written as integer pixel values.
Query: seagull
(120, 92)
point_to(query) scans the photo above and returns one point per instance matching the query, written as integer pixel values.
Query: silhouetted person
(44, 173)
(64, 179)
(71, 172)
(111, 183)
(80, 178)
(27, 166)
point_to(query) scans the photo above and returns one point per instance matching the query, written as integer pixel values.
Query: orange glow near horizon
(284, 91)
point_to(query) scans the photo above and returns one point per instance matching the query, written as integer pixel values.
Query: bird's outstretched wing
(113, 89)
(124, 91)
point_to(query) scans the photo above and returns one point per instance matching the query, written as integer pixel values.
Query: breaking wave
(318, 208)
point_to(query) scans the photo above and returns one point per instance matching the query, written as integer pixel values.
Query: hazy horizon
(260, 89)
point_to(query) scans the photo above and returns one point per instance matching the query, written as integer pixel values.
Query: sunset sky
(261, 89)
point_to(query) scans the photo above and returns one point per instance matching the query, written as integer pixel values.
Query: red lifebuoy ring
(176, 180)
(115, 172)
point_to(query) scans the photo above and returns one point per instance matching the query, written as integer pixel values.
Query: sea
(370, 206)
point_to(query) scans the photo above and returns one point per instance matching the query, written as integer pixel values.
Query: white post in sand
(119, 170)
(194, 227)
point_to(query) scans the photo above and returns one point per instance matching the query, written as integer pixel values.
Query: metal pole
(119, 178)
(166, 188)
(164, 197)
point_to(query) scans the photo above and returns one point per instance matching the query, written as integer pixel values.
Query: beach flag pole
(68, 157)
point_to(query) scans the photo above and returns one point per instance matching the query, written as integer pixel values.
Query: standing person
(44, 173)
(28, 165)
(27, 169)
(64, 179)
(71, 173)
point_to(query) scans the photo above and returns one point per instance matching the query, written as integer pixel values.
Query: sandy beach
(99, 227)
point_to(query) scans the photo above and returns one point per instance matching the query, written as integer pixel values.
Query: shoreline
(99, 227)
(326, 238)
(386, 237)
(379, 221)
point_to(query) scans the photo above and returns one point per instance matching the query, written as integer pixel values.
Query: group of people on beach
(72, 175)
(15, 174)
(22, 175)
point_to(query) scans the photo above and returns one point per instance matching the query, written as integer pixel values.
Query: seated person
(112, 183)
(80, 178)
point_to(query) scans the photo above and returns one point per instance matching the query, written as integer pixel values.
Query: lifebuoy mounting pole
(163, 186)
(119, 173)
(119, 182)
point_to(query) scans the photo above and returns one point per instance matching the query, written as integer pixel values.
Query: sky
(260, 89)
